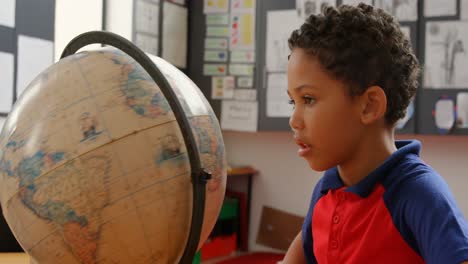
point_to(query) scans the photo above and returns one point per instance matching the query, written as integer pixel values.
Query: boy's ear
(374, 105)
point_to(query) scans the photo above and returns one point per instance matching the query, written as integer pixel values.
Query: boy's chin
(318, 166)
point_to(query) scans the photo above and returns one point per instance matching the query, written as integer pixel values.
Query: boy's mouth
(303, 147)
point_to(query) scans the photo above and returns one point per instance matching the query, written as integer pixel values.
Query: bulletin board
(271, 51)
(443, 96)
(222, 59)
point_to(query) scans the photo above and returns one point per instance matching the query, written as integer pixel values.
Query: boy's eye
(308, 99)
(291, 102)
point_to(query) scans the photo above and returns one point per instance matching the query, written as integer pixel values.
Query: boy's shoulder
(412, 175)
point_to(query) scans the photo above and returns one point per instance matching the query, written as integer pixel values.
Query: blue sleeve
(307, 242)
(439, 230)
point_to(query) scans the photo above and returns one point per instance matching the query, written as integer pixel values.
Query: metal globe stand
(198, 174)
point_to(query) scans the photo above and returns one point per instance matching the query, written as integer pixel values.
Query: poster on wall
(280, 24)
(403, 10)
(174, 44)
(277, 98)
(446, 60)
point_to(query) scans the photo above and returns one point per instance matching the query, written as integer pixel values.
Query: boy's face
(326, 120)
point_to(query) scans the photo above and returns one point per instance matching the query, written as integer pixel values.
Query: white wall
(73, 18)
(285, 181)
(119, 17)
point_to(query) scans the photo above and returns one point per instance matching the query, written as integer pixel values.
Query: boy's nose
(295, 122)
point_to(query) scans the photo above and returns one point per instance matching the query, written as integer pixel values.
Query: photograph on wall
(404, 10)
(446, 59)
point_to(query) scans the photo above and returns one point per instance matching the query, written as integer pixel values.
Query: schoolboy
(351, 75)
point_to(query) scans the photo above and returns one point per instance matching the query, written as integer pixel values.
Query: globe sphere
(93, 164)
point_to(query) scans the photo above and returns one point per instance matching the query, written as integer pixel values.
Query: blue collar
(332, 180)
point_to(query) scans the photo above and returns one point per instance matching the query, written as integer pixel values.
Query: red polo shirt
(402, 212)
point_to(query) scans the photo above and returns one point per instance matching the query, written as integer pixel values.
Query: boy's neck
(372, 152)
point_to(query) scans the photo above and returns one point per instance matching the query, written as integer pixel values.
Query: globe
(94, 167)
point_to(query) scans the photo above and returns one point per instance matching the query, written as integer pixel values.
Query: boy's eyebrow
(303, 87)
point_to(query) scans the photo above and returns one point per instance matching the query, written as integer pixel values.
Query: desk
(14, 258)
(243, 173)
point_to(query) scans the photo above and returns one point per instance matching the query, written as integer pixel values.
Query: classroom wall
(285, 181)
(73, 18)
(119, 17)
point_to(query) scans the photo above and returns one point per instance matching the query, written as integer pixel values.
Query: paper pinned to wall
(238, 6)
(445, 57)
(403, 10)
(242, 34)
(147, 19)
(305, 8)
(462, 110)
(217, 31)
(444, 115)
(245, 94)
(215, 6)
(239, 115)
(216, 43)
(241, 69)
(245, 82)
(215, 55)
(222, 87)
(280, 24)
(356, 2)
(440, 8)
(277, 97)
(174, 46)
(7, 13)
(214, 69)
(7, 64)
(217, 19)
(34, 56)
(242, 56)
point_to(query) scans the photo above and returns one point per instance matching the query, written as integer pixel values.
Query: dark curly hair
(363, 46)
